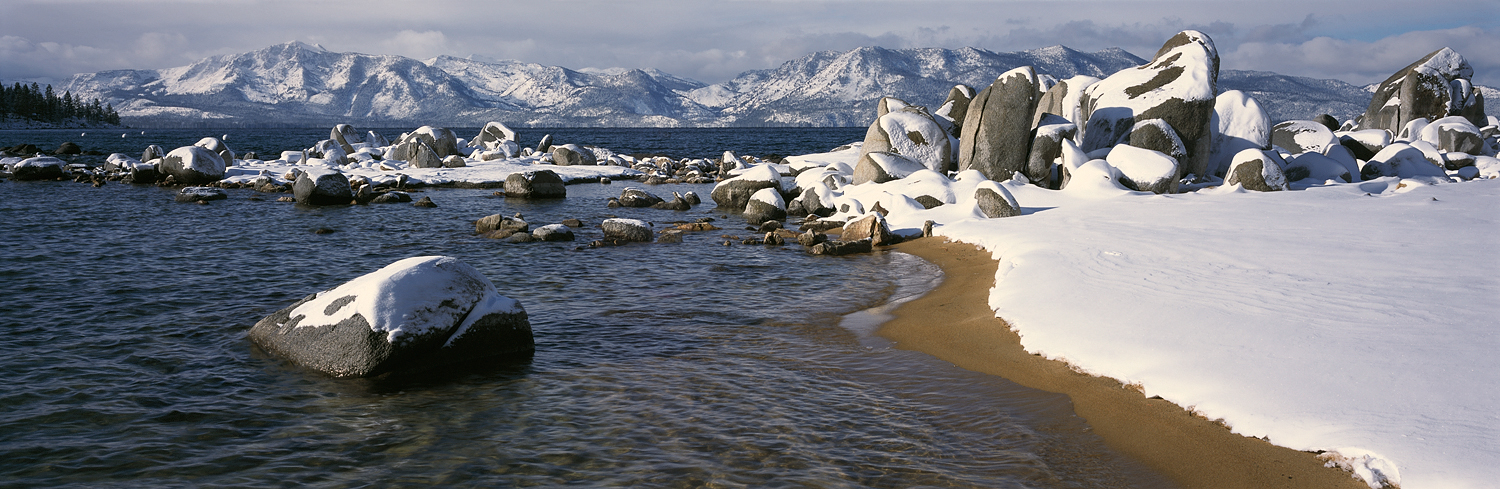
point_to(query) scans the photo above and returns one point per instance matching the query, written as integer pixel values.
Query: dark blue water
(657, 365)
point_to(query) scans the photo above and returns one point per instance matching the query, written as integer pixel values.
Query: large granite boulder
(322, 186)
(38, 168)
(1238, 123)
(911, 132)
(152, 152)
(1400, 160)
(996, 135)
(1178, 86)
(994, 201)
(414, 314)
(956, 107)
(636, 197)
(732, 194)
(764, 205)
(1454, 134)
(1297, 137)
(1434, 87)
(193, 165)
(1047, 147)
(871, 227)
(1062, 99)
(346, 136)
(491, 134)
(416, 151)
(881, 167)
(1257, 170)
(1317, 167)
(218, 147)
(535, 184)
(1157, 135)
(1145, 170)
(441, 140)
(572, 155)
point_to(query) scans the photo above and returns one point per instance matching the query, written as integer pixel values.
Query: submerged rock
(417, 313)
(627, 230)
(535, 184)
(201, 194)
(38, 168)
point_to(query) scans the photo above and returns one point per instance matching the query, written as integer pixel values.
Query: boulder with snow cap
(192, 165)
(1453, 134)
(1062, 99)
(441, 140)
(572, 155)
(996, 135)
(1238, 123)
(152, 152)
(912, 132)
(38, 168)
(1297, 137)
(493, 132)
(321, 186)
(1317, 167)
(1178, 86)
(346, 136)
(626, 230)
(200, 194)
(1365, 143)
(994, 201)
(416, 151)
(635, 197)
(1157, 135)
(765, 205)
(1145, 170)
(1047, 147)
(454, 161)
(535, 184)
(414, 314)
(1434, 87)
(732, 194)
(881, 167)
(957, 106)
(218, 147)
(553, 232)
(1257, 170)
(1400, 160)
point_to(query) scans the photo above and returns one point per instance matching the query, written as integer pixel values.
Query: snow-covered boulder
(881, 167)
(152, 152)
(816, 200)
(1238, 123)
(636, 197)
(553, 232)
(1317, 167)
(1178, 86)
(535, 184)
(1144, 169)
(624, 230)
(1400, 160)
(994, 201)
(193, 165)
(1062, 99)
(764, 205)
(200, 194)
(1434, 87)
(218, 147)
(322, 186)
(1365, 143)
(1047, 147)
(441, 140)
(1157, 135)
(413, 314)
(732, 194)
(572, 155)
(911, 132)
(346, 136)
(1257, 170)
(38, 168)
(956, 106)
(1454, 134)
(454, 161)
(1297, 137)
(492, 134)
(996, 135)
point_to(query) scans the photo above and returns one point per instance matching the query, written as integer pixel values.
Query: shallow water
(659, 365)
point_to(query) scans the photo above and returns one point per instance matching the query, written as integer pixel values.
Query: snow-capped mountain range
(301, 84)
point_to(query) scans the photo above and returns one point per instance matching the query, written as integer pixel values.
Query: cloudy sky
(708, 40)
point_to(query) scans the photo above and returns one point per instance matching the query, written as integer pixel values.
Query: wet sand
(954, 322)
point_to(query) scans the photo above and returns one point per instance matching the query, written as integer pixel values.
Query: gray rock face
(872, 227)
(414, 314)
(416, 151)
(1157, 135)
(1434, 87)
(1046, 147)
(996, 135)
(1454, 134)
(322, 187)
(628, 230)
(732, 194)
(441, 140)
(1299, 137)
(346, 136)
(1257, 170)
(841, 247)
(571, 155)
(535, 184)
(545, 146)
(994, 201)
(553, 232)
(1178, 86)
(958, 106)
(881, 167)
(765, 205)
(152, 152)
(218, 147)
(635, 197)
(493, 132)
(192, 165)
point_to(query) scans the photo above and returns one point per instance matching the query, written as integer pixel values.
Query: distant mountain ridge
(298, 84)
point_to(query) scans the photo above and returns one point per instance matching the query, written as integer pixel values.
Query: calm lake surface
(657, 365)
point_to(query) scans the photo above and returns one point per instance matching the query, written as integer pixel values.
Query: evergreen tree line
(33, 103)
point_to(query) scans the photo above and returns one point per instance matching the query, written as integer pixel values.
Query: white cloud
(1364, 62)
(418, 45)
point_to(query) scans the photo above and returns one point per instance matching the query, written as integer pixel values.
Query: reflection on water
(665, 365)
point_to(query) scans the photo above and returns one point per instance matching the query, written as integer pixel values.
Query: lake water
(657, 365)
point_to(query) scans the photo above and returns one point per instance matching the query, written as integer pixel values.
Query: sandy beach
(1191, 450)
